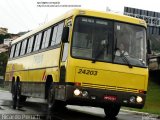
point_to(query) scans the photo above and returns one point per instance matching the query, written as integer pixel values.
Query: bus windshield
(109, 41)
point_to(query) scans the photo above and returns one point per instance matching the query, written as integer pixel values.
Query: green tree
(3, 62)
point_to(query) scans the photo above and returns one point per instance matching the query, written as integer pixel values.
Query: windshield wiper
(98, 55)
(125, 59)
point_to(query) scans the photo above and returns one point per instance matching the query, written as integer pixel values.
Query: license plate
(110, 98)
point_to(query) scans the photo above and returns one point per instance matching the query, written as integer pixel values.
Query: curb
(145, 114)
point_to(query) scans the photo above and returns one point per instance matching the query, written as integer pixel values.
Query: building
(152, 19)
(7, 42)
(3, 48)
(3, 31)
(153, 32)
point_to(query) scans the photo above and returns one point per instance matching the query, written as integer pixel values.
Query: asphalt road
(36, 109)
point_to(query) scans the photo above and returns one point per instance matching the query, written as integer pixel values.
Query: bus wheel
(112, 110)
(17, 98)
(52, 103)
(20, 98)
(51, 99)
(14, 96)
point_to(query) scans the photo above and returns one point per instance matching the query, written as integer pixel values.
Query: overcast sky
(24, 15)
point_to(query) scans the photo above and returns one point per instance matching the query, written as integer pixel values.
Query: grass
(152, 104)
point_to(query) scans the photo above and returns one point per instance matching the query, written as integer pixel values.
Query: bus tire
(52, 103)
(20, 98)
(111, 111)
(14, 96)
(17, 98)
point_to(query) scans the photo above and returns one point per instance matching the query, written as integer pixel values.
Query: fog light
(85, 94)
(77, 92)
(132, 99)
(139, 99)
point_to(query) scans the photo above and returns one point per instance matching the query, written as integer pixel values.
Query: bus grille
(107, 87)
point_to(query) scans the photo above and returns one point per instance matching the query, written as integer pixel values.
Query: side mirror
(65, 34)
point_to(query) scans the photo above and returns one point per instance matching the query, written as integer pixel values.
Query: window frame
(91, 59)
(55, 32)
(38, 41)
(46, 38)
(12, 52)
(114, 41)
(18, 49)
(30, 44)
(24, 47)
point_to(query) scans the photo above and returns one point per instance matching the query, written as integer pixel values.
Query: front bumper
(96, 97)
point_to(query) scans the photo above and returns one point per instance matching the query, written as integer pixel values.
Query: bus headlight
(85, 94)
(139, 99)
(132, 99)
(77, 92)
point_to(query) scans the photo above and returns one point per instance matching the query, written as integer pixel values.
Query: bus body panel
(34, 68)
(107, 76)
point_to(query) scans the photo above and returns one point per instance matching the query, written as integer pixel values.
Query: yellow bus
(84, 57)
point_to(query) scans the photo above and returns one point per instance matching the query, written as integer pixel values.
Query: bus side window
(59, 33)
(37, 42)
(17, 49)
(53, 40)
(12, 51)
(46, 38)
(30, 44)
(23, 48)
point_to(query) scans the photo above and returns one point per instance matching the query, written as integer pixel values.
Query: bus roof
(84, 12)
